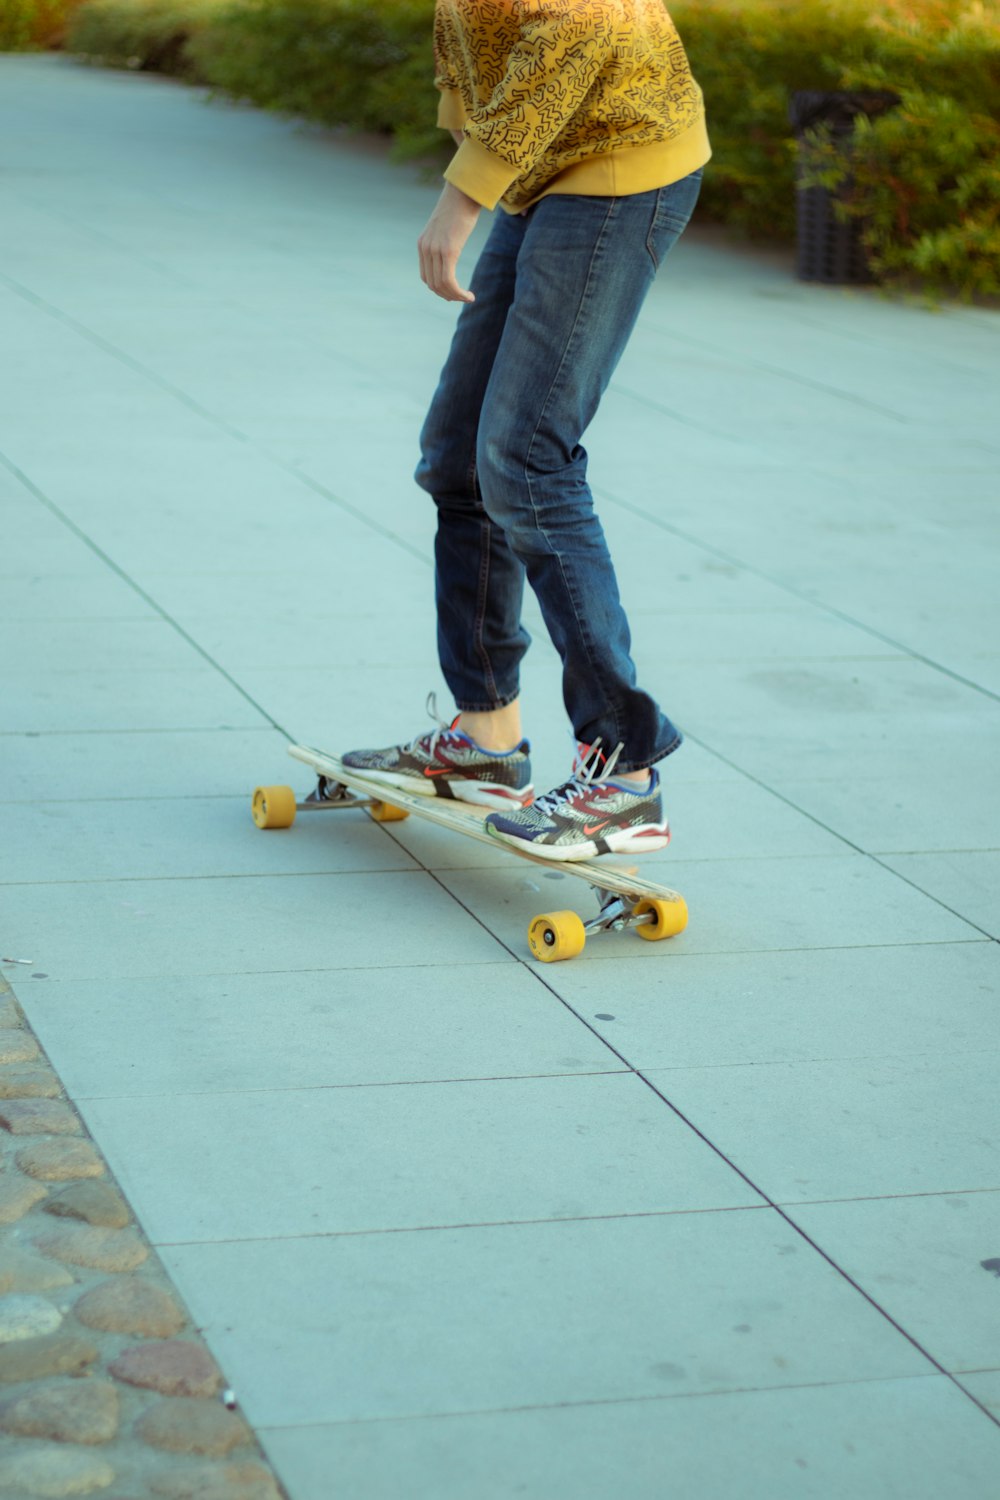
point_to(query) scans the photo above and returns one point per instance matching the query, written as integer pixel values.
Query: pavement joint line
(134, 585)
(683, 419)
(114, 801)
(342, 358)
(41, 734)
(207, 415)
(652, 1398)
(831, 326)
(923, 853)
(463, 1226)
(439, 963)
(900, 649)
(891, 1197)
(938, 900)
(790, 375)
(367, 1083)
(627, 1071)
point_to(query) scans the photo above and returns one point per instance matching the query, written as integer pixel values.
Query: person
(582, 120)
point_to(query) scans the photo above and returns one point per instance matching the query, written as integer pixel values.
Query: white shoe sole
(645, 839)
(479, 793)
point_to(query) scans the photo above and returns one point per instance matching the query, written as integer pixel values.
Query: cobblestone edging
(105, 1387)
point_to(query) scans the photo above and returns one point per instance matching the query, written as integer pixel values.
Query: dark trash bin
(829, 249)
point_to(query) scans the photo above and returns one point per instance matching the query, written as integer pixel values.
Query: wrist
(460, 200)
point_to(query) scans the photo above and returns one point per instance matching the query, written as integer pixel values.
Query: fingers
(438, 272)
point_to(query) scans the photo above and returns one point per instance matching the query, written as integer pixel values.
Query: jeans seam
(481, 599)
(584, 301)
(652, 230)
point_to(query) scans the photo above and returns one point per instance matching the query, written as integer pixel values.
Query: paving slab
(185, 698)
(731, 1010)
(525, 1315)
(251, 924)
(610, 1149)
(910, 1439)
(325, 1030)
(152, 644)
(183, 838)
(107, 766)
(851, 1128)
(794, 632)
(86, 590)
(889, 815)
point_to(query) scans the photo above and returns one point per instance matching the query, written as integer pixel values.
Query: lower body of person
(557, 292)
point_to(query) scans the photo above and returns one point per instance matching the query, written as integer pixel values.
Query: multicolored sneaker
(446, 763)
(588, 815)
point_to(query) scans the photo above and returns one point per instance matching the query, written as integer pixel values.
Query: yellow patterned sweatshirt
(565, 96)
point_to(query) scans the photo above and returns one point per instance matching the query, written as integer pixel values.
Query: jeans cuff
(487, 708)
(644, 765)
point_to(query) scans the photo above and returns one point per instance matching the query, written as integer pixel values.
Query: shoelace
(429, 741)
(589, 761)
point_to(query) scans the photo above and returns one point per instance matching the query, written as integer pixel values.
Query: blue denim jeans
(558, 290)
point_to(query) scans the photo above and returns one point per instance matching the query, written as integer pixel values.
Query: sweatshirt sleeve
(560, 49)
(451, 110)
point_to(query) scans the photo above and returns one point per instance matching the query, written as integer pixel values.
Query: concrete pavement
(703, 1218)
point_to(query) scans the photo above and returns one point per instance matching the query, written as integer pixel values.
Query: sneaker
(444, 762)
(588, 815)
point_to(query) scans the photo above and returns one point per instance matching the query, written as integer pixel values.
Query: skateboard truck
(616, 913)
(276, 806)
(330, 793)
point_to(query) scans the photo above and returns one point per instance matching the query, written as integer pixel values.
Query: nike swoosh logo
(590, 828)
(434, 771)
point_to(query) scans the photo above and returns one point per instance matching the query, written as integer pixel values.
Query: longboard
(626, 899)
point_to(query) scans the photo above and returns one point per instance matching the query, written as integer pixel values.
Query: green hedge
(925, 178)
(30, 25)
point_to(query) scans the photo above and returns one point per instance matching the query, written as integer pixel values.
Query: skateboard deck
(626, 899)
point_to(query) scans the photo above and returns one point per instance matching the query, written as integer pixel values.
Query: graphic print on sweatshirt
(545, 84)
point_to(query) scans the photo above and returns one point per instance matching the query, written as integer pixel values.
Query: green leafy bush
(28, 25)
(341, 62)
(924, 179)
(149, 34)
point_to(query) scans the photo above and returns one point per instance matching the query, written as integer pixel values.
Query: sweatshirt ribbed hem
(480, 173)
(489, 180)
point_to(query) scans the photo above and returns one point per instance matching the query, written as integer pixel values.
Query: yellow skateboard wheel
(556, 935)
(384, 812)
(669, 918)
(274, 807)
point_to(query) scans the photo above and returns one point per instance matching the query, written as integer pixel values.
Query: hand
(442, 242)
